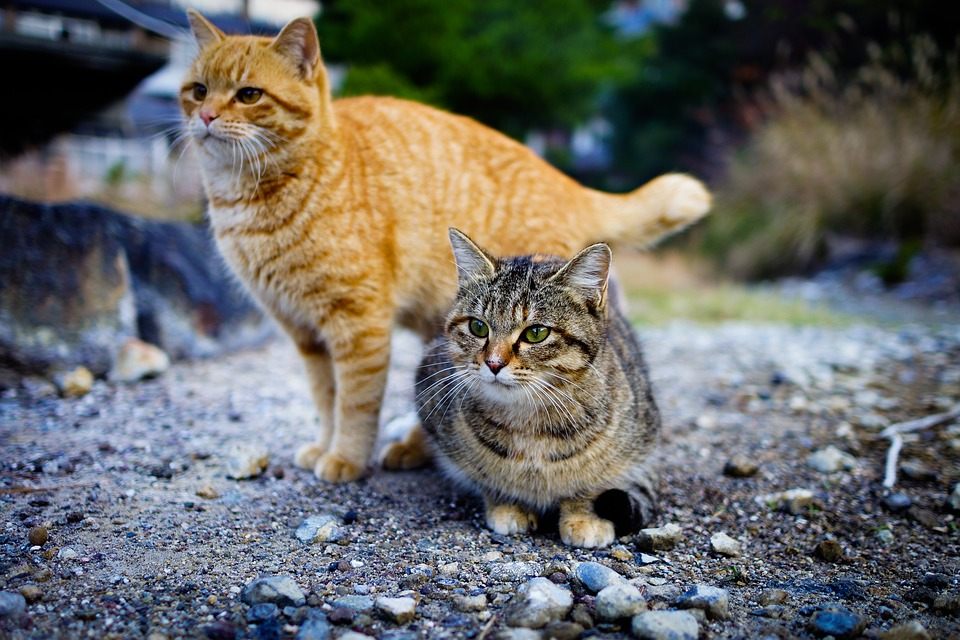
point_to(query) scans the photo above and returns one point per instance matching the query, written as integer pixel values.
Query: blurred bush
(875, 155)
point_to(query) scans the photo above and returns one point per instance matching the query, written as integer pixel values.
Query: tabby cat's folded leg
(580, 526)
(509, 518)
(409, 453)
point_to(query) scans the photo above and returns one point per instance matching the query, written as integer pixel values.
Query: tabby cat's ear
(298, 43)
(204, 31)
(588, 273)
(472, 261)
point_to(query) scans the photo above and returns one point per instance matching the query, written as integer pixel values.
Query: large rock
(78, 280)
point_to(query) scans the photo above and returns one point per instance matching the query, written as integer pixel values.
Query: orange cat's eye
(199, 92)
(249, 95)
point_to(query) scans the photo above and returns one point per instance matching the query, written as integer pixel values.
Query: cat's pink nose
(208, 116)
(495, 365)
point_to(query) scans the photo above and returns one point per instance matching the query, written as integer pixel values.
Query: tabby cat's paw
(509, 518)
(586, 530)
(307, 455)
(335, 468)
(410, 453)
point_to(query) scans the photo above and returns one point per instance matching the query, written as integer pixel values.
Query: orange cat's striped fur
(335, 215)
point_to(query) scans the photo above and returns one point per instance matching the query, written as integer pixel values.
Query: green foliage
(512, 65)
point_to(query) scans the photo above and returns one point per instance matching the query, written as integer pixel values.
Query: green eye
(249, 95)
(199, 92)
(536, 333)
(479, 328)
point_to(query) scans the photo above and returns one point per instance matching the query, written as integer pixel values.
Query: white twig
(894, 431)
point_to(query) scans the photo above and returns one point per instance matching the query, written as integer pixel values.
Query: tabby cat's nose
(495, 365)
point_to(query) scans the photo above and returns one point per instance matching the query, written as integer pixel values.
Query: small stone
(31, 593)
(280, 590)
(665, 625)
(515, 571)
(725, 545)
(948, 602)
(912, 630)
(793, 501)
(519, 634)
(836, 621)
(537, 603)
(37, 536)
(76, 383)
(740, 466)
(315, 627)
(207, 492)
(353, 635)
(659, 538)
(828, 550)
(885, 536)
(247, 461)
(713, 600)
(621, 554)
(773, 596)
(262, 611)
(137, 360)
(67, 553)
(897, 502)
(662, 592)
(220, 630)
(621, 600)
(831, 460)
(561, 630)
(924, 516)
(11, 604)
(399, 610)
(581, 615)
(916, 470)
(491, 556)
(450, 569)
(954, 500)
(470, 603)
(356, 604)
(596, 577)
(321, 528)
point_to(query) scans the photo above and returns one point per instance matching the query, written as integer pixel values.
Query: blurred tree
(512, 65)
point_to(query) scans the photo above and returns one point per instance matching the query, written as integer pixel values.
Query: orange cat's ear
(205, 32)
(472, 262)
(298, 43)
(588, 273)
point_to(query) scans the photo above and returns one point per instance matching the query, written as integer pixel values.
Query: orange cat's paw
(307, 455)
(335, 468)
(409, 453)
(688, 199)
(509, 518)
(586, 530)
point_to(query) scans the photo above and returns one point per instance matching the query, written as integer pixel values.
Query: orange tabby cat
(335, 215)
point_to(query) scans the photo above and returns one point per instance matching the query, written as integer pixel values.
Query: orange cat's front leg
(319, 366)
(360, 362)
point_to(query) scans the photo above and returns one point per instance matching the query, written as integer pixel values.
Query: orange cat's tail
(662, 206)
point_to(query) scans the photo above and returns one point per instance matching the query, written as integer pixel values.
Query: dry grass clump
(876, 155)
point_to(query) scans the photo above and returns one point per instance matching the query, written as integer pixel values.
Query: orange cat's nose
(208, 116)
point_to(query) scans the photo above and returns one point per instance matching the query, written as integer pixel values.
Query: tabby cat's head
(520, 326)
(251, 94)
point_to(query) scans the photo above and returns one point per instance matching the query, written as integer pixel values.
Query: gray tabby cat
(537, 396)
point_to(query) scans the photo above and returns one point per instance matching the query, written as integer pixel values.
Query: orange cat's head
(247, 95)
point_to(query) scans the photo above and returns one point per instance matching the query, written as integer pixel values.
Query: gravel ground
(118, 519)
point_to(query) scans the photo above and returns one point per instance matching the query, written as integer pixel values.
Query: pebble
(519, 634)
(280, 590)
(948, 602)
(37, 536)
(740, 466)
(831, 460)
(897, 502)
(399, 610)
(596, 577)
(793, 501)
(665, 625)
(837, 621)
(725, 545)
(662, 592)
(76, 383)
(773, 596)
(470, 603)
(31, 593)
(67, 553)
(621, 600)
(537, 603)
(954, 500)
(713, 600)
(262, 611)
(916, 470)
(321, 528)
(220, 630)
(450, 569)
(11, 604)
(828, 550)
(912, 630)
(314, 627)
(562, 630)
(137, 360)
(924, 516)
(247, 461)
(207, 492)
(659, 538)
(356, 604)
(354, 635)
(515, 571)
(491, 556)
